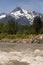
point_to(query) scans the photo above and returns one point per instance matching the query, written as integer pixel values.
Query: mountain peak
(17, 9)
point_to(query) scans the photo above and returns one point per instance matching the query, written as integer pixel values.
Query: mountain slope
(20, 16)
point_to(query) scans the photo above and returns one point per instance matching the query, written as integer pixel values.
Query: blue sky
(7, 6)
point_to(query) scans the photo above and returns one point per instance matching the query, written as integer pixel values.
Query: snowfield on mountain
(20, 16)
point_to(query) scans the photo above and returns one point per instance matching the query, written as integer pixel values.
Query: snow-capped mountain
(20, 16)
(3, 15)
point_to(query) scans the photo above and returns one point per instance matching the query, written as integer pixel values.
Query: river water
(21, 54)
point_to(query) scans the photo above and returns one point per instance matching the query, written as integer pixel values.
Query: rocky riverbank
(31, 39)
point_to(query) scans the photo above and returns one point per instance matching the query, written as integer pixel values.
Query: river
(21, 54)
